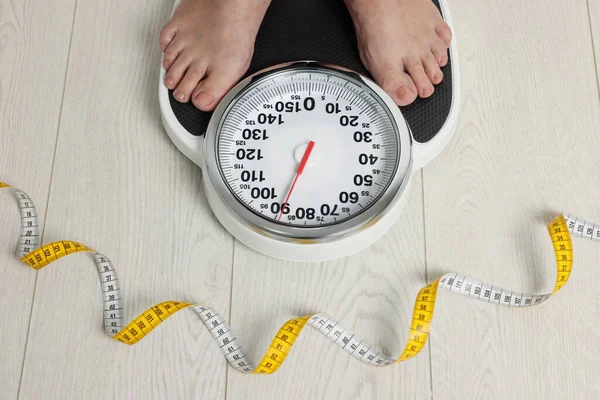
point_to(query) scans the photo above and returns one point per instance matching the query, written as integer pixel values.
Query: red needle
(307, 152)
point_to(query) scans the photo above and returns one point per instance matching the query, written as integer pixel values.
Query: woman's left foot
(403, 43)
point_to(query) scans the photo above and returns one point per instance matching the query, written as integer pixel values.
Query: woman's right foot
(208, 46)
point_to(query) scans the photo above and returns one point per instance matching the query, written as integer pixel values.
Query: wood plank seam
(426, 266)
(594, 53)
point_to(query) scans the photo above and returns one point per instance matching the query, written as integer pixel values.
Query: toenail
(179, 96)
(404, 92)
(205, 97)
(427, 91)
(438, 77)
(169, 82)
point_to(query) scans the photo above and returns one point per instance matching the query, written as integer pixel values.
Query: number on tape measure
(560, 231)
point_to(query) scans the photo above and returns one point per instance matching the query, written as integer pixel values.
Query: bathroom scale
(307, 158)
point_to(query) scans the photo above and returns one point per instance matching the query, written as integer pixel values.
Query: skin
(208, 46)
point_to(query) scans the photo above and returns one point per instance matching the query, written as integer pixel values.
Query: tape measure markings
(113, 314)
(583, 228)
(29, 238)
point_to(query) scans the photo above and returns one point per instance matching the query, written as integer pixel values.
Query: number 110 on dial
(307, 149)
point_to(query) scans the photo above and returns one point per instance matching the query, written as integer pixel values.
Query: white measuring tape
(560, 231)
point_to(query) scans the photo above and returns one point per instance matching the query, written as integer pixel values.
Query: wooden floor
(80, 132)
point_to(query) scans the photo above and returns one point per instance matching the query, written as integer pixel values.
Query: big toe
(212, 89)
(405, 94)
(398, 84)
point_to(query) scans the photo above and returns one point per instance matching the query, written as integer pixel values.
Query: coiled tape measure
(560, 231)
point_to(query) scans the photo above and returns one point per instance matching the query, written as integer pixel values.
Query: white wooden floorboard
(121, 187)
(34, 45)
(526, 150)
(371, 293)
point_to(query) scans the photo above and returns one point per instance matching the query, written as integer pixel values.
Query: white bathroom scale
(307, 158)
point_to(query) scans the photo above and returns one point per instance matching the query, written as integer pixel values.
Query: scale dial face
(307, 147)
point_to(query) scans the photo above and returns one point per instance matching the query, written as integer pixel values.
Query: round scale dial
(307, 148)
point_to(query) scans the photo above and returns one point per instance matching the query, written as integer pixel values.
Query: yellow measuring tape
(560, 231)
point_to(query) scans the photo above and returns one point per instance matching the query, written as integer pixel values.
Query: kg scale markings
(266, 134)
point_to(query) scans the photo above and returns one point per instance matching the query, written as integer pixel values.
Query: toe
(203, 99)
(212, 89)
(444, 32)
(167, 35)
(189, 82)
(176, 72)
(397, 83)
(417, 72)
(440, 53)
(432, 69)
(171, 53)
(406, 92)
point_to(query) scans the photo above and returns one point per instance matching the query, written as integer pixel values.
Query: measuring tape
(560, 231)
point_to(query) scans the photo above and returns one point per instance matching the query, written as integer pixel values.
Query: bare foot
(403, 43)
(208, 46)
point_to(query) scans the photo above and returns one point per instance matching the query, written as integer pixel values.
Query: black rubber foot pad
(322, 30)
